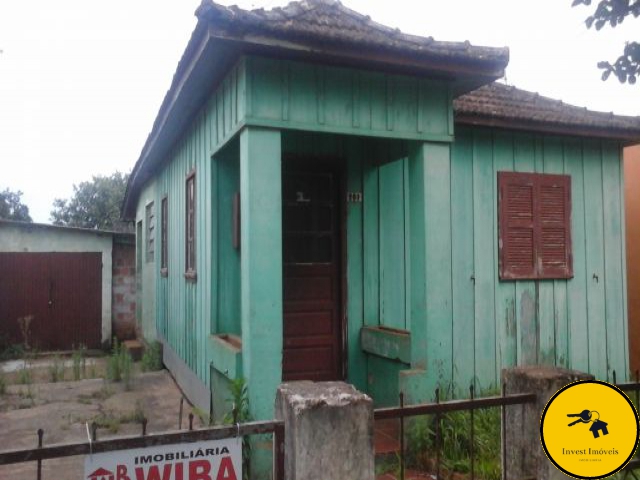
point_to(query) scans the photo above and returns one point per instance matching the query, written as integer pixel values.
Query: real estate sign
(205, 460)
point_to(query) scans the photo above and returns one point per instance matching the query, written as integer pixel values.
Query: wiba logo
(101, 474)
(578, 441)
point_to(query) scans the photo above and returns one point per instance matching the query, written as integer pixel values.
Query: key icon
(584, 417)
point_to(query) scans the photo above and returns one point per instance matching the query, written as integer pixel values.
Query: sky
(81, 81)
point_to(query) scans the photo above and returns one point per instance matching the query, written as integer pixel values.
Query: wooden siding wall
(578, 323)
(632, 206)
(185, 309)
(302, 96)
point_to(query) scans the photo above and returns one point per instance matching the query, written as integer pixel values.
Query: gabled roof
(315, 30)
(499, 105)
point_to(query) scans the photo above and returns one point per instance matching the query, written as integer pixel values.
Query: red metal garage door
(63, 291)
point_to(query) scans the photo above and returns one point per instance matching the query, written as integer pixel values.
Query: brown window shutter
(517, 245)
(553, 221)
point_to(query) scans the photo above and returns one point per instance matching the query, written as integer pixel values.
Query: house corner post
(524, 456)
(261, 276)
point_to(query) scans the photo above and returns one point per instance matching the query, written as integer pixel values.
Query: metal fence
(93, 445)
(438, 411)
(634, 389)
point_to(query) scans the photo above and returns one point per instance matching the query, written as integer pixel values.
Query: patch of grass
(152, 358)
(24, 376)
(455, 442)
(79, 362)
(56, 370)
(9, 350)
(112, 422)
(120, 365)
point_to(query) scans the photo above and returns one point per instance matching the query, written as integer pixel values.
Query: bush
(152, 358)
(455, 442)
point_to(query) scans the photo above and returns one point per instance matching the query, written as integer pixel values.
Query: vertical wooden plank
(405, 107)
(407, 244)
(355, 93)
(613, 262)
(286, 82)
(505, 300)
(526, 292)
(391, 249)
(463, 278)
(578, 325)
(546, 321)
(321, 93)
(356, 359)
(484, 260)
(594, 234)
(437, 180)
(371, 243)
(389, 101)
(554, 162)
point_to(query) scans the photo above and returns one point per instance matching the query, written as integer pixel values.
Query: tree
(12, 208)
(613, 12)
(94, 204)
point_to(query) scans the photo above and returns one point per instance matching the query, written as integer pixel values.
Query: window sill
(191, 275)
(164, 272)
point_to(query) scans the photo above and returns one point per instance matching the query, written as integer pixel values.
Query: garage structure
(64, 280)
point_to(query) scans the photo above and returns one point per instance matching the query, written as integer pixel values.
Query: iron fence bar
(637, 390)
(633, 464)
(278, 461)
(402, 438)
(503, 444)
(137, 441)
(454, 405)
(438, 433)
(632, 386)
(40, 435)
(473, 475)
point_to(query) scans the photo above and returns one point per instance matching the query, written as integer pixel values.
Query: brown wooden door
(63, 292)
(311, 275)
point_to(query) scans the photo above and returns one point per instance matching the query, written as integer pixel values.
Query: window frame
(150, 227)
(164, 236)
(544, 220)
(190, 226)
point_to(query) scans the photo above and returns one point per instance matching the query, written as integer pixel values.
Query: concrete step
(135, 349)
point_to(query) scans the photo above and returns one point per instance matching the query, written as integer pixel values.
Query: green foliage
(9, 350)
(24, 376)
(95, 203)
(455, 442)
(204, 417)
(240, 413)
(120, 365)
(56, 369)
(111, 421)
(11, 206)
(79, 362)
(152, 358)
(612, 13)
(3, 384)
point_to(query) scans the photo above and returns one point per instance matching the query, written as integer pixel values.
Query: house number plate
(354, 197)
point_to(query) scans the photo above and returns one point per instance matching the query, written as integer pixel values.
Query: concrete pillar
(525, 457)
(328, 431)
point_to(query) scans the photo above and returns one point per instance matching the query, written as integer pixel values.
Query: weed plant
(240, 413)
(152, 358)
(455, 442)
(56, 370)
(79, 366)
(3, 384)
(120, 365)
(24, 376)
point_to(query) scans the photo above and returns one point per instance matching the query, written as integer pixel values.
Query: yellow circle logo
(589, 429)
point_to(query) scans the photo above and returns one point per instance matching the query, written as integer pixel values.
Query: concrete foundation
(329, 431)
(525, 457)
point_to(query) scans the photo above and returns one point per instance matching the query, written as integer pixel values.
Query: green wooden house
(322, 197)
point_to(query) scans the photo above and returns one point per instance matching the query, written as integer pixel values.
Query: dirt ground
(63, 408)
